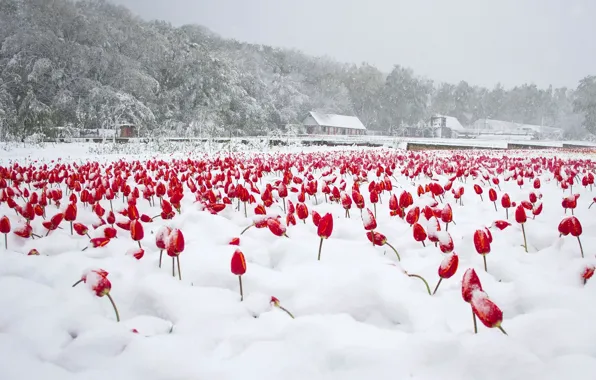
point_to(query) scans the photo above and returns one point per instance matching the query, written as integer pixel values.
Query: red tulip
(235, 241)
(447, 216)
(369, 220)
(161, 240)
(238, 267)
(521, 218)
(5, 229)
(324, 230)
(470, 285)
(81, 229)
(98, 281)
(501, 224)
(506, 204)
(174, 247)
(302, 212)
(110, 232)
(413, 215)
(447, 268)
(381, 240)
(482, 244)
(571, 225)
(487, 311)
(33, 252)
(588, 273)
(419, 233)
(478, 191)
(136, 231)
(276, 227)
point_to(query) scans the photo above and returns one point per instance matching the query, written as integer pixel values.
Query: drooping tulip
(470, 284)
(487, 311)
(380, 240)
(97, 280)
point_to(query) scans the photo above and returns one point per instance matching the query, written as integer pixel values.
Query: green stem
(179, 272)
(475, 324)
(173, 267)
(581, 248)
(245, 213)
(287, 312)
(484, 258)
(423, 280)
(114, 306)
(375, 208)
(495, 203)
(241, 290)
(525, 241)
(246, 229)
(437, 287)
(71, 228)
(138, 241)
(160, 255)
(76, 283)
(320, 247)
(6, 241)
(394, 250)
(503, 331)
(446, 227)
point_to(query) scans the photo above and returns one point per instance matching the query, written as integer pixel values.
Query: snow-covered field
(358, 315)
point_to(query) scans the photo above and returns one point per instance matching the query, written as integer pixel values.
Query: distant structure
(446, 126)
(506, 128)
(328, 124)
(128, 130)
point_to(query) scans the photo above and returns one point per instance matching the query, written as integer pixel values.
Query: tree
(585, 102)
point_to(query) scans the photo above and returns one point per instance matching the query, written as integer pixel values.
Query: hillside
(91, 64)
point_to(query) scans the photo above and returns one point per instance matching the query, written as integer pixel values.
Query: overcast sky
(480, 41)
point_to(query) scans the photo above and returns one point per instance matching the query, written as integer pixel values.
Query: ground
(357, 312)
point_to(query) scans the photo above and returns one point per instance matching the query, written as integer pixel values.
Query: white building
(328, 124)
(446, 126)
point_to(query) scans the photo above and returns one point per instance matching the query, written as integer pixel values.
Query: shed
(331, 124)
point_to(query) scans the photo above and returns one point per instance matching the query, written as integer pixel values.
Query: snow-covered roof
(452, 123)
(338, 121)
(508, 126)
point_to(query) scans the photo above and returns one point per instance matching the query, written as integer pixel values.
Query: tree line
(90, 64)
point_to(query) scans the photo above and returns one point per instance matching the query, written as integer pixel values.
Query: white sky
(480, 41)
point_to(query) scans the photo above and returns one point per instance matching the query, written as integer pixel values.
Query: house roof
(452, 123)
(338, 121)
(507, 126)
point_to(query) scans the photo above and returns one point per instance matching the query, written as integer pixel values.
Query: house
(446, 126)
(328, 124)
(500, 127)
(128, 130)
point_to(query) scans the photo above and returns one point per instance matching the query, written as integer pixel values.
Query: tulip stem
(114, 306)
(446, 227)
(503, 331)
(475, 324)
(581, 248)
(245, 213)
(423, 280)
(495, 203)
(173, 267)
(6, 241)
(375, 208)
(287, 312)
(241, 290)
(179, 272)
(484, 258)
(76, 283)
(507, 213)
(525, 241)
(246, 229)
(372, 234)
(71, 228)
(423, 244)
(394, 250)
(320, 247)
(160, 255)
(437, 287)
(138, 241)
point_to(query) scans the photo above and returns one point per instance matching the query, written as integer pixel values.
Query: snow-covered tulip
(501, 224)
(470, 284)
(238, 267)
(275, 303)
(447, 216)
(487, 311)
(413, 215)
(33, 252)
(174, 247)
(97, 281)
(302, 212)
(161, 238)
(5, 229)
(276, 227)
(379, 239)
(571, 225)
(324, 230)
(447, 268)
(234, 241)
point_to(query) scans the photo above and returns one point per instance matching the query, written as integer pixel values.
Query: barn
(329, 124)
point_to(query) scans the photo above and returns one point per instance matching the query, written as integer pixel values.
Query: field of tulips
(326, 264)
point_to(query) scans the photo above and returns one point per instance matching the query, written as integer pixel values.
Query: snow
(338, 121)
(357, 314)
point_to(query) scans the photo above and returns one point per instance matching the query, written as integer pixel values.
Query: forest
(89, 64)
